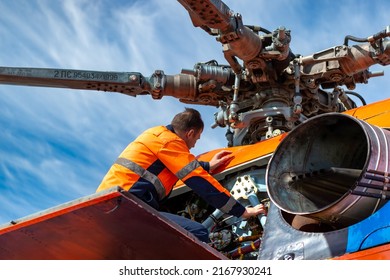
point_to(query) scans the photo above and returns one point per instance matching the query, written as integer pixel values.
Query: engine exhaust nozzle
(320, 167)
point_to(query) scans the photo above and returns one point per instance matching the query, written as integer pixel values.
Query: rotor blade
(130, 83)
(208, 13)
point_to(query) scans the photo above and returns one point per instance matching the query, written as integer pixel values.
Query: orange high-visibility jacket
(151, 165)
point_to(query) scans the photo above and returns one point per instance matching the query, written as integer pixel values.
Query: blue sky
(56, 144)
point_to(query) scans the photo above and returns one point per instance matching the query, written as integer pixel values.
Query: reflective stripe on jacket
(150, 166)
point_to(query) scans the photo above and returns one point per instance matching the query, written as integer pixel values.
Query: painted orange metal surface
(56, 211)
(377, 113)
(247, 153)
(114, 225)
(376, 253)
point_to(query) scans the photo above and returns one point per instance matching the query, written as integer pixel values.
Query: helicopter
(272, 92)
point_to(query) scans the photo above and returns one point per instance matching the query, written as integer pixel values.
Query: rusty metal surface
(111, 225)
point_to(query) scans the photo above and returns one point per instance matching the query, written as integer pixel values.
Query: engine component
(221, 239)
(252, 197)
(240, 252)
(212, 219)
(322, 170)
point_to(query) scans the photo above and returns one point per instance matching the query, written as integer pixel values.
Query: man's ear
(190, 133)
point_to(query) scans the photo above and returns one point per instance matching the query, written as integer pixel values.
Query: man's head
(188, 125)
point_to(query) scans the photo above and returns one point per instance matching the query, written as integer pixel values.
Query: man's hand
(219, 159)
(254, 211)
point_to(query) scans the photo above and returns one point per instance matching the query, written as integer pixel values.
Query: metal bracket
(375, 176)
(243, 186)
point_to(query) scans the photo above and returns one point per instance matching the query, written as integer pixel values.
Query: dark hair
(186, 120)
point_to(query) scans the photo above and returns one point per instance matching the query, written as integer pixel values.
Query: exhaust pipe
(333, 168)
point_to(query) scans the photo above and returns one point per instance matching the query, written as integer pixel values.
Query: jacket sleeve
(205, 165)
(178, 159)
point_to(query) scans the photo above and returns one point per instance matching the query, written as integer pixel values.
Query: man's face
(192, 136)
